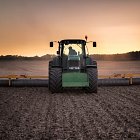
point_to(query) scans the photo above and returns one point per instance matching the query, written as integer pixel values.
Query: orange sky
(27, 26)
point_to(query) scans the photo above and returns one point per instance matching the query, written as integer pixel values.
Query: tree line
(107, 57)
(118, 57)
(16, 57)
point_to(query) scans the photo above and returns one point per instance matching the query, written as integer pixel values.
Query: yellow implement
(120, 76)
(46, 77)
(23, 76)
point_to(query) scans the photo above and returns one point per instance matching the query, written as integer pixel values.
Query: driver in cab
(72, 51)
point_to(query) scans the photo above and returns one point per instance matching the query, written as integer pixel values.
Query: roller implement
(73, 67)
(42, 81)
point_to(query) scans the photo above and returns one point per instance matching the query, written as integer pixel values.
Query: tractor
(73, 67)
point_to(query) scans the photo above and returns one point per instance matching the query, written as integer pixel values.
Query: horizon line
(56, 54)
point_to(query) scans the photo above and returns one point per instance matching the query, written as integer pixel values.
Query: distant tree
(108, 57)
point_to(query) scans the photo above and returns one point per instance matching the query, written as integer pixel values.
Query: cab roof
(73, 41)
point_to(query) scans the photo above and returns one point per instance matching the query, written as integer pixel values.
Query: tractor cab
(72, 54)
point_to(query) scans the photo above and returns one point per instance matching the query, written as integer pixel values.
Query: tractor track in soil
(35, 113)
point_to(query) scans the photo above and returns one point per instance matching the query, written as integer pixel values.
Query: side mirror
(51, 44)
(58, 52)
(94, 44)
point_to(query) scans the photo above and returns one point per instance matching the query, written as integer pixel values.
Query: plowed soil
(35, 113)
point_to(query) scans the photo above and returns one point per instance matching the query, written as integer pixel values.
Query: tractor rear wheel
(93, 80)
(55, 80)
(50, 65)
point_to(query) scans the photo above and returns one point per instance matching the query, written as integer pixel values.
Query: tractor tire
(93, 80)
(50, 65)
(55, 80)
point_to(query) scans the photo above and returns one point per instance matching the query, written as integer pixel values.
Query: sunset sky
(27, 26)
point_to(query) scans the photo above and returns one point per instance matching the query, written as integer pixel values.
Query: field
(41, 67)
(35, 113)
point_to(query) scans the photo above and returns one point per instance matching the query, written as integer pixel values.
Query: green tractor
(73, 67)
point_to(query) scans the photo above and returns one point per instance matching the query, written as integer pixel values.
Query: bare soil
(41, 67)
(36, 114)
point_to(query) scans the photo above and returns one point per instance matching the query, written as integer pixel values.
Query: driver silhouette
(72, 51)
